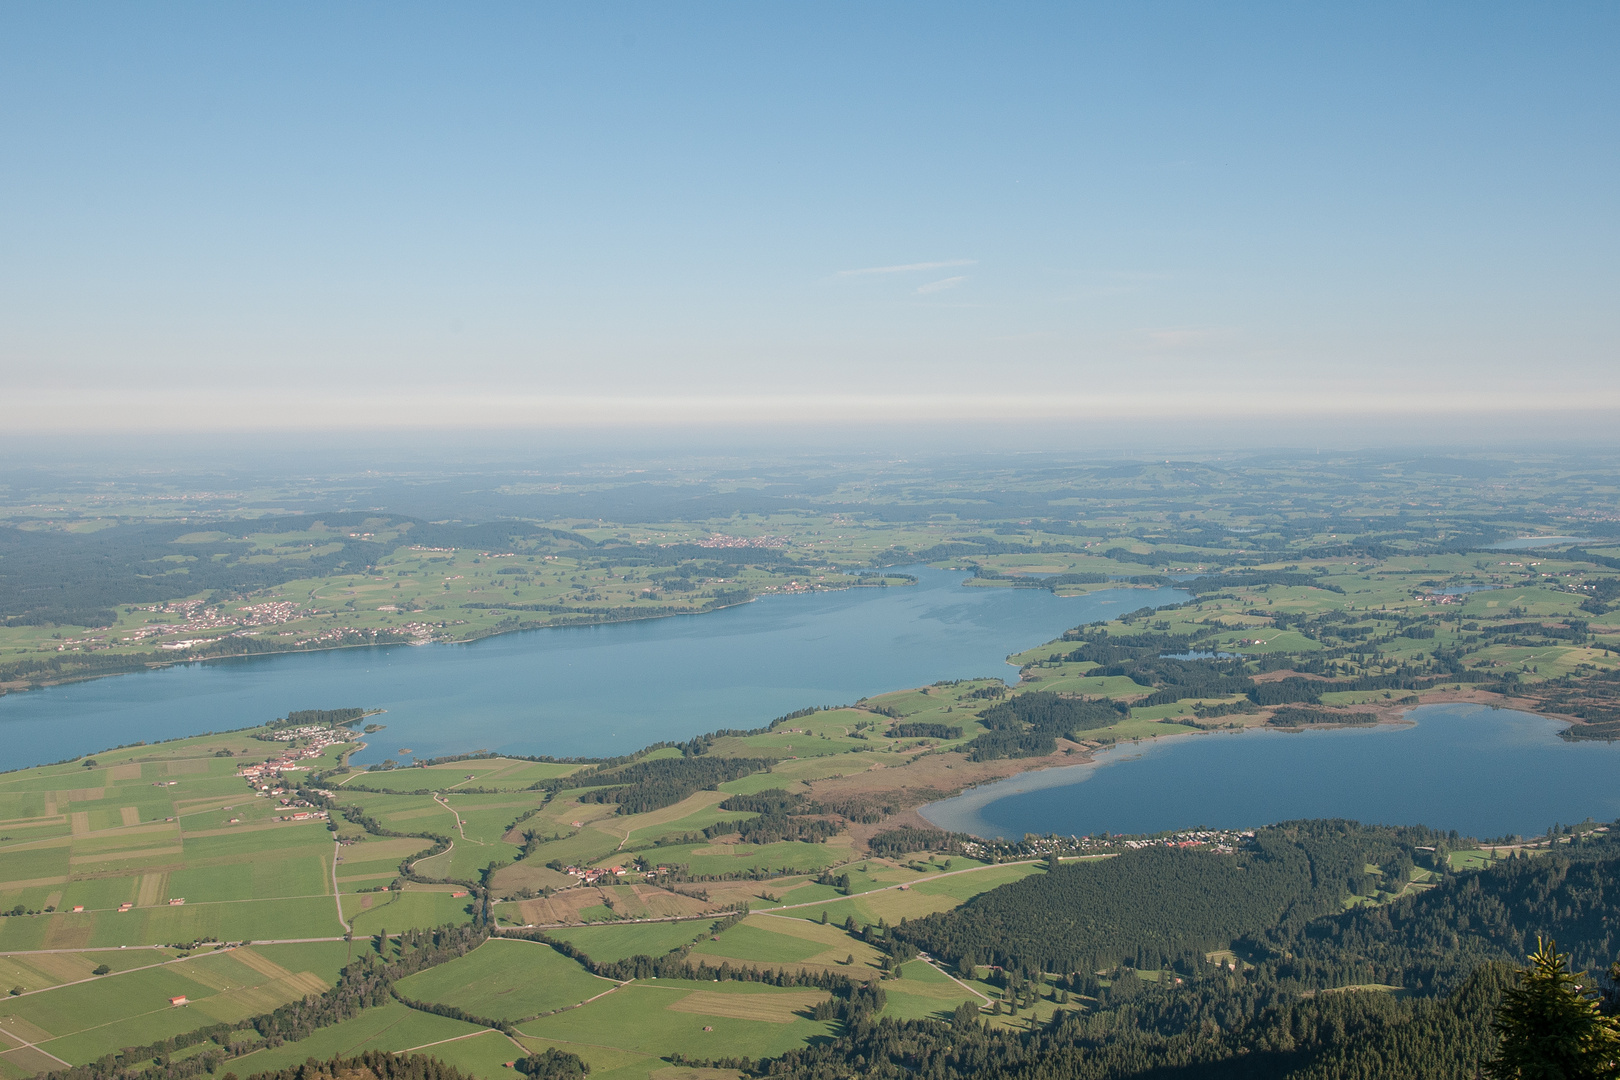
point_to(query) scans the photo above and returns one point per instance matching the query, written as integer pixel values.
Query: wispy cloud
(907, 267)
(941, 285)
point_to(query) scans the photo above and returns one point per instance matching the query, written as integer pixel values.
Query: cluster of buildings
(1222, 842)
(196, 616)
(1219, 841)
(721, 540)
(266, 779)
(593, 875)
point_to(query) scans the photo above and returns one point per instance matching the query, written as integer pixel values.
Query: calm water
(1526, 543)
(1484, 772)
(582, 690)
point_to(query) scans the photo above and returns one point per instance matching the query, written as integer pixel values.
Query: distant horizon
(117, 455)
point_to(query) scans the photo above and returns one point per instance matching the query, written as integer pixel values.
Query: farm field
(923, 898)
(390, 1026)
(162, 844)
(506, 980)
(650, 1020)
(606, 944)
(772, 941)
(79, 1021)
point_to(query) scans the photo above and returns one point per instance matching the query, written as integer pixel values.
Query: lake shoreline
(565, 694)
(965, 810)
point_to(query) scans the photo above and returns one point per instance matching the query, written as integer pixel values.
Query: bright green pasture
(585, 847)
(322, 958)
(1112, 686)
(607, 944)
(914, 901)
(731, 858)
(404, 910)
(800, 894)
(484, 772)
(506, 980)
(745, 941)
(90, 1019)
(227, 921)
(1134, 728)
(923, 992)
(390, 1026)
(607, 1062)
(639, 1018)
(39, 971)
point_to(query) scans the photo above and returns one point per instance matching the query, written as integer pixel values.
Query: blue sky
(235, 215)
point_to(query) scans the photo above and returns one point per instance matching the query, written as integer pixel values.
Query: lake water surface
(1484, 772)
(582, 690)
(1527, 543)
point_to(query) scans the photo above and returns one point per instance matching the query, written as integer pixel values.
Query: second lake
(1484, 772)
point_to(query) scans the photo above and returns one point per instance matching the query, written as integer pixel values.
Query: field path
(460, 825)
(931, 962)
(426, 858)
(711, 916)
(337, 893)
(26, 1045)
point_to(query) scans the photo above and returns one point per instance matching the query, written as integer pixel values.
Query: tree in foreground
(1550, 1028)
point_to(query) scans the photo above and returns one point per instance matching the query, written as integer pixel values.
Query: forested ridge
(1145, 908)
(1225, 1029)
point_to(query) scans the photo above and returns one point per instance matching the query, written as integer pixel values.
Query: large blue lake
(582, 690)
(1484, 772)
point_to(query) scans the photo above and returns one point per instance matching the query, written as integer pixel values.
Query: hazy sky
(234, 214)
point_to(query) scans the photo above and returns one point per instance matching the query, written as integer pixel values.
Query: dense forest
(1146, 908)
(782, 816)
(1029, 724)
(371, 1065)
(1224, 1028)
(659, 782)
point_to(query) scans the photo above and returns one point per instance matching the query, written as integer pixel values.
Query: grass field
(773, 941)
(390, 1026)
(506, 980)
(80, 1021)
(416, 908)
(606, 944)
(923, 992)
(170, 830)
(914, 901)
(657, 1017)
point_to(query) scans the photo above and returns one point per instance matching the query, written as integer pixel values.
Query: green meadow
(606, 944)
(506, 980)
